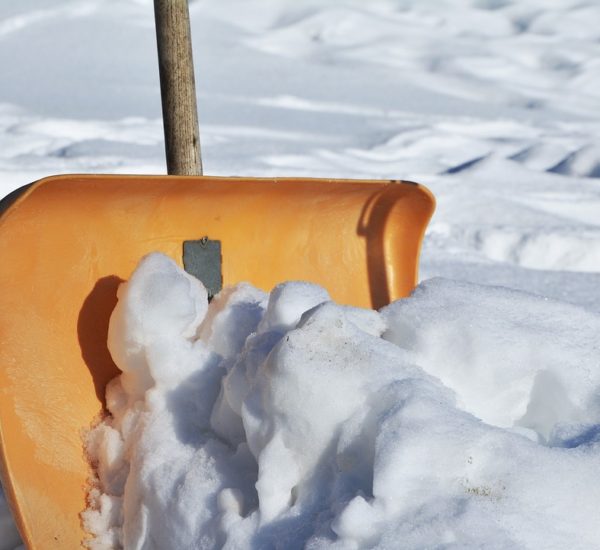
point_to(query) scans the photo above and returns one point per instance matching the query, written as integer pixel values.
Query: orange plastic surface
(69, 240)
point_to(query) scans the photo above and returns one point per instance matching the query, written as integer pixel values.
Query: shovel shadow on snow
(92, 332)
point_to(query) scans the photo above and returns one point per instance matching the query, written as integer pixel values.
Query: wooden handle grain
(177, 87)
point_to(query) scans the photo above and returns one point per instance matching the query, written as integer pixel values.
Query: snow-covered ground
(493, 104)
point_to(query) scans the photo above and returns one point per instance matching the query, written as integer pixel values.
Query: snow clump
(464, 416)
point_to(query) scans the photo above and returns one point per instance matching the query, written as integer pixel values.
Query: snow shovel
(66, 243)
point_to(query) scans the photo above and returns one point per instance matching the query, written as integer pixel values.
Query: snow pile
(465, 416)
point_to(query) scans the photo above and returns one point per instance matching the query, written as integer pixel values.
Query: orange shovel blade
(68, 241)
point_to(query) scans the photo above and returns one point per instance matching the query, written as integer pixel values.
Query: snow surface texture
(493, 104)
(287, 421)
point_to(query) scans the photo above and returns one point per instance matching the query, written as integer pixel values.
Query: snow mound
(464, 416)
(513, 359)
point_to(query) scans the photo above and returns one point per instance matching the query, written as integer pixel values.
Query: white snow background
(493, 104)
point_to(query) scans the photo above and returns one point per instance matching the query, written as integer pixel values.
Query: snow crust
(463, 416)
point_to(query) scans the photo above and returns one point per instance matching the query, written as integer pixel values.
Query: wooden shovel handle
(177, 87)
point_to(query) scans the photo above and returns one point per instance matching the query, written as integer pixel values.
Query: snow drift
(462, 416)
